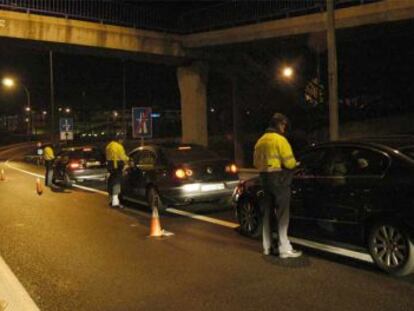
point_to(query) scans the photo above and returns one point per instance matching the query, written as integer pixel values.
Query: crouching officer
(116, 160)
(49, 158)
(274, 159)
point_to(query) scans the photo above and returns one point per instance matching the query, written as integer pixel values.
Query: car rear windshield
(188, 154)
(81, 154)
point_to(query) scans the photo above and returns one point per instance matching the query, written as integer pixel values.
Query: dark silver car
(77, 164)
(174, 174)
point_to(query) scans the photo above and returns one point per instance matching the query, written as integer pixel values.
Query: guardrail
(228, 14)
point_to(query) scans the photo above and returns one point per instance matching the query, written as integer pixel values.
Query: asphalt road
(70, 251)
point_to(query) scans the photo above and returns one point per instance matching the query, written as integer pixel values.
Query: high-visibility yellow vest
(273, 152)
(48, 153)
(115, 152)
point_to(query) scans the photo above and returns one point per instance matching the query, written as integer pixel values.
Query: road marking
(13, 296)
(315, 245)
(219, 222)
(333, 249)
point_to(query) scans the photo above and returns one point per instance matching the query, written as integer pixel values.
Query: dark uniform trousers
(115, 177)
(49, 173)
(276, 186)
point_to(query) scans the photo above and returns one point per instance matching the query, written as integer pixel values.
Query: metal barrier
(220, 16)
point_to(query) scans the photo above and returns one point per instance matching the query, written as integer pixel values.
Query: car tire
(154, 200)
(391, 248)
(249, 217)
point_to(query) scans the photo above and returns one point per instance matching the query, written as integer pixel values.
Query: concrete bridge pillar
(192, 81)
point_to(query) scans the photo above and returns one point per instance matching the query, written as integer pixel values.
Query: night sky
(375, 78)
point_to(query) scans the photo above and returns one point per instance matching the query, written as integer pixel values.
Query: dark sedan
(174, 174)
(356, 193)
(77, 164)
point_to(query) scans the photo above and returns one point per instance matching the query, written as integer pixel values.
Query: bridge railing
(227, 14)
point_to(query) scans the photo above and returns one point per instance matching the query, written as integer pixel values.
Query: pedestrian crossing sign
(141, 122)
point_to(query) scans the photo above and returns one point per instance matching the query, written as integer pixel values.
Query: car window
(311, 163)
(354, 161)
(337, 163)
(368, 162)
(146, 157)
(185, 154)
(93, 154)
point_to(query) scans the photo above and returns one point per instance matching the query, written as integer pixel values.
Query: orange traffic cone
(155, 230)
(39, 187)
(2, 176)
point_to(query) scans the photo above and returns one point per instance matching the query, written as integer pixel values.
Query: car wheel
(391, 248)
(154, 200)
(249, 218)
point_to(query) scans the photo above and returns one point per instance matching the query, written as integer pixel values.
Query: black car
(77, 164)
(175, 174)
(358, 193)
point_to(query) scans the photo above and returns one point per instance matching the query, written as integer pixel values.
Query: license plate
(212, 187)
(94, 163)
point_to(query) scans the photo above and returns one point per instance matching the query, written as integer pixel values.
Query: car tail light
(183, 173)
(75, 165)
(232, 168)
(180, 173)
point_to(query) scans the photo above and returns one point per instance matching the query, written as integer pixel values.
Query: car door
(143, 172)
(353, 192)
(306, 195)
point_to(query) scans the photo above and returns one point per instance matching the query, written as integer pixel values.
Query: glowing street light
(8, 82)
(287, 72)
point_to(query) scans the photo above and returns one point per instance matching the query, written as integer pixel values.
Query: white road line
(315, 245)
(203, 218)
(333, 249)
(13, 296)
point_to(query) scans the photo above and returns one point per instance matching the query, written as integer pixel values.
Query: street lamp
(287, 72)
(10, 83)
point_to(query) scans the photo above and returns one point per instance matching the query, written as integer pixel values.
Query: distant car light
(184, 148)
(188, 172)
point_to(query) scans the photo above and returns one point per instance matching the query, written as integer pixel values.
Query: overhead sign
(66, 128)
(141, 122)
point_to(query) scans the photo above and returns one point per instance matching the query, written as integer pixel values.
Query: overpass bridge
(118, 27)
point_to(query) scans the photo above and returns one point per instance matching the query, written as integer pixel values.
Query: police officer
(116, 160)
(274, 159)
(49, 158)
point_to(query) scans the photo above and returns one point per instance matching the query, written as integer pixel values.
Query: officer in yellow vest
(274, 159)
(49, 158)
(116, 159)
